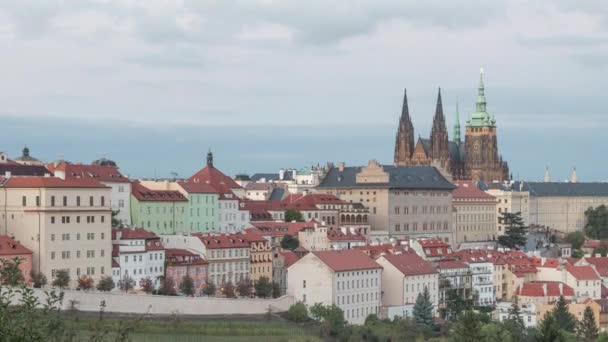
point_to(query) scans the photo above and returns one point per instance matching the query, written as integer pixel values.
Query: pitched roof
(376, 250)
(600, 263)
(214, 177)
(220, 241)
(289, 257)
(260, 186)
(10, 246)
(469, 190)
(347, 260)
(591, 244)
(563, 189)
(400, 177)
(142, 193)
(17, 169)
(49, 182)
(338, 235)
(253, 235)
(544, 289)
(410, 264)
(132, 234)
(582, 272)
(103, 173)
(183, 257)
(451, 264)
(274, 228)
(197, 187)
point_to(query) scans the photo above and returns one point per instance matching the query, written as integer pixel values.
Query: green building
(203, 205)
(159, 211)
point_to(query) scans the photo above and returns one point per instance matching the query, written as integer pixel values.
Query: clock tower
(482, 161)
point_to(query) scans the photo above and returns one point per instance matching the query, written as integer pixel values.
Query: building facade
(510, 200)
(474, 213)
(228, 256)
(11, 249)
(181, 263)
(159, 211)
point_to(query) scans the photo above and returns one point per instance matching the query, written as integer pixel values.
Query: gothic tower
(482, 162)
(439, 149)
(404, 141)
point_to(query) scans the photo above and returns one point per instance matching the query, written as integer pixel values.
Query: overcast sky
(161, 68)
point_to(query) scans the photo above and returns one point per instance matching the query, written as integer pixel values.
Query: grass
(195, 329)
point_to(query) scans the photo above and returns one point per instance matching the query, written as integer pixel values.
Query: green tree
(549, 330)
(263, 287)
(115, 221)
(562, 316)
(167, 287)
(293, 215)
(10, 272)
(602, 249)
(515, 230)
(38, 279)
(85, 283)
(423, 310)
(597, 222)
(209, 289)
(147, 285)
(126, 283)
(587, 329)
(496, 332)
(105, 284)
(603, 337)
(289, 242)
(455, 305)
(467, 329)
(331, 318)
(62, 279)
(244, 287)
(297, 312)
(187, 286)
(576, 239)
(276, 290)
(229, 290)
(515, 323)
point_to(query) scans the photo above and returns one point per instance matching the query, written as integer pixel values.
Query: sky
(268, 84)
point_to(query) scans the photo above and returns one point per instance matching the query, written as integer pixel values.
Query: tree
(38, 279)
(85, 283)
(187, 286)
(10, 272)
(455, 305)
(115, 221)
(244, 287)
(147, 285)
(228, 290)
(276, 290)
(331, 318)
(515, 323)
(467, 329)
(576, 239)
(297, 312)
(105, 284)
(562, 316)
(263, 287)
(496, 332)
(62, 279)
(587, 329)
(423, 310)
(209, 289)
(515, 230)
(548, 330)
(597, 222)
(167, 287)
(602, 249)
(293, 215)
(289, 242)
(126, 283)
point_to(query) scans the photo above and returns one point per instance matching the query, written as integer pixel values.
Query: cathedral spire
(481, 118)
(405, 111)
(439, 110)
(439, 133)
(457, 126)
(404, 141)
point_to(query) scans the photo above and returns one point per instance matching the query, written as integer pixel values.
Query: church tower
(439, 149)
(404, 141)
(482, 161)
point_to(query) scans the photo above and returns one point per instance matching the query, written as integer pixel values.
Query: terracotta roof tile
(141, 193)
(469, 190)
(10, 246)
(220, 241)
(410, 264)
(347, 260)
(50, 182)
(582, 272)
(102, 173)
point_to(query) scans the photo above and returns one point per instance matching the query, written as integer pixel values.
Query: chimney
(545, 289)
(561, 288)
(341, 167)
(47, 175)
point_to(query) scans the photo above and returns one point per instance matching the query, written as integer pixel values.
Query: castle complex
(476, 159)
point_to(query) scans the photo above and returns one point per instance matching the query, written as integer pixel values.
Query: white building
(347, 278)
(404, 277)
(231, 217)
(139, 254)
(511, 199)
(105, 174)
(482, 275)
(527, 313)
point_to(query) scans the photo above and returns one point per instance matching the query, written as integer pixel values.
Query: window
(65, 201)
(103, 201)
(304, 284)
(91, 201)
(24, 201)
(103, 219)
(78, 201)
(121, 203)
(52, 219)
(52, 201)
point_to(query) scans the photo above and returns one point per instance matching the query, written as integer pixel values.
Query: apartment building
(181, 263)
(474, 213)
(159, 211)
(260, 251)
(138, 254)
(228, 256)
(65, 223)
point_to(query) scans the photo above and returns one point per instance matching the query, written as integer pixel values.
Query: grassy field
(194, 329)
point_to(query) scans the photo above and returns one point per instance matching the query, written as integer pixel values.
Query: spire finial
(405, 112)
(457, 126)
(209, 158)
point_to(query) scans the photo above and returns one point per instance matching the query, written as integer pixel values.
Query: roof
(457, 151)
(434, 247)
(400, 177)
(377, 250)
(563, 189)
(469, 190)
(347, 260)
(23, 170)
(591, 244)
(544, 289)
(132, 234)
(49, 182)
(181, 257)
(289, 257)
(253, 235)
(274, 228)
(410, 264)
(10, 246)
(220, 241)
(268, 177)
(214, 177)
(451, 264)
(197, 187)
(142, 193)
(103, 173)
(259, 186)
(338, 235)
(582, 272)
(600, 263)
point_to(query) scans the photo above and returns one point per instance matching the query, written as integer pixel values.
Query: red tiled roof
(132, 234)
(544, 288)
(347, 260)
(262, 205)
(273, 228)
(141, 193)
(289, 257)
(338, 235)
(50, 182)
(450, 264)
(254, 235)
(376, 250)
(10, 246)
(103, 173)
(410, 264)
(260, 186)
(220, 241)
(197, 187)
(434, 247)
(181, 257)
(469, 190)
(214, 177)
(309, 201)
(591, 244)
(582, 272)
(600, 263)
(17, 169)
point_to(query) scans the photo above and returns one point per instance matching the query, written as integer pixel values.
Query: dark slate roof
(23, 170)
(277, 194)
(256, 177)
(456, 153)
(563, 189)
(401, 177)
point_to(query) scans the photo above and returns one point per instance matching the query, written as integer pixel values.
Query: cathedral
(476, 159)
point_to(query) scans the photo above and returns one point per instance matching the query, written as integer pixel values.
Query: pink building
(11, 249)
(181, 262)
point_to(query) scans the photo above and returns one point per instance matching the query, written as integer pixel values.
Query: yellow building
(260, 264)
(577, 309)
